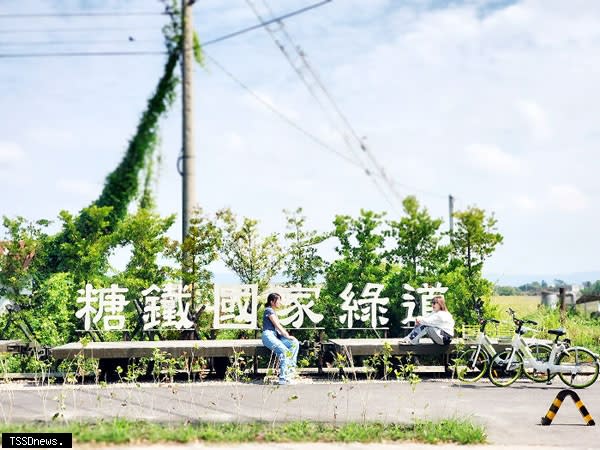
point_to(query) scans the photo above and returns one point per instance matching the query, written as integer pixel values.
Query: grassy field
(581, 329)
(523, 304)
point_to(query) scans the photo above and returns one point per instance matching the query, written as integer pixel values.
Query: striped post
(547, 419)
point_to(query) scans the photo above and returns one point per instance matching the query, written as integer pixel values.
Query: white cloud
(422, 82)
(535, 117)
(526, 203)
(78, 187)
(10, 153)
(567, 198)
(492, 159)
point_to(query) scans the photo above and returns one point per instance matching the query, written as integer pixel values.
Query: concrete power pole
(188, 154)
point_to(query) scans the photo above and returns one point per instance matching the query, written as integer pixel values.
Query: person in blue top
(277, 339)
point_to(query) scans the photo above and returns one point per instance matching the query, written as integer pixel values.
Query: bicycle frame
(529, 361)
(482, 341)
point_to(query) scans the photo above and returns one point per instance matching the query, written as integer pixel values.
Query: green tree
(417, 241)
(144, 232)
(252, 258)
(473, 241)
(18, 248)
(199, 249)
(361, 261)
(302, 264)
(506, 290)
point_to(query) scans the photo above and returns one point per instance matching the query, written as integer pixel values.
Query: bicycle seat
(558, 332)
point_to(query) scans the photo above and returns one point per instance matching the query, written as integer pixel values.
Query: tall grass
(581, 329)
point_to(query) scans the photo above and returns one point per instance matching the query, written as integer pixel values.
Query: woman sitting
(439, 325)
(276, 338)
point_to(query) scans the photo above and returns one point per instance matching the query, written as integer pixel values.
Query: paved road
(511, 415)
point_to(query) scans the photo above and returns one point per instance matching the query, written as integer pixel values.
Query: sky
(494, 102)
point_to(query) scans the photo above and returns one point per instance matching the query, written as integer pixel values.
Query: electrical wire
(128, 39)
(81, 14)
(276, 19)
(77, 54)
(304, 79)
(282, 116)
(73, 30)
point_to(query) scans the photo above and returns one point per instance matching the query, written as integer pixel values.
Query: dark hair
(272, 298)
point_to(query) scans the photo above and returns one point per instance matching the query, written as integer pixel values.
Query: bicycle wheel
(505, 368)
(583, 364)
(541, 352)
(471, 364)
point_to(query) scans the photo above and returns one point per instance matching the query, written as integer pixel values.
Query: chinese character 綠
(372, 306)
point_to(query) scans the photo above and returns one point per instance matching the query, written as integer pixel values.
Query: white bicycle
(577, 367)
(472, 363)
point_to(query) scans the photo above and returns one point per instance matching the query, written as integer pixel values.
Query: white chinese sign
(236, 307)
(98, 302)
(369, 307)
(298, 303)
(168, 308)
(426, 294)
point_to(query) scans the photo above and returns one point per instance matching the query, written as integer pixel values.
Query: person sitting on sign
(439, 325)
(276, 338)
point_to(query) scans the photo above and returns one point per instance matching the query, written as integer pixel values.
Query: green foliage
(199, 249)
(581, 329)
(462, 291)
(21, 243)
(121, 431)
(122, 184)
(591, 288)
(145, 233)
(417, 241)
(82, 247)
(252, 258)
(474, 239)
(506, 290)
(302, 265)
(361, 261)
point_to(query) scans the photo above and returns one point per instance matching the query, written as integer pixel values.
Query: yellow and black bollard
(547, 419)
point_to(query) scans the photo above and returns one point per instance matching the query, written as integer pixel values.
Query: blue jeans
(285, 349)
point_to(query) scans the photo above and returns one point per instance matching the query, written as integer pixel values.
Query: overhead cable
(77, 54)
(81, 14)
(300, 67)
(280, 114)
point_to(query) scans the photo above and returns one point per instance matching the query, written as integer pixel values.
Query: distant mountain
(518, 280)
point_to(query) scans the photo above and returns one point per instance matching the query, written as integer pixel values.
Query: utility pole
(188, 154)
(451, 214)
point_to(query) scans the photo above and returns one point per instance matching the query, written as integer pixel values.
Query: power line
(77, 54)
(212, 41)
(74, 30)
(282, 116)
(291, 123)
(120, 53)
(268, 22)
(82, 14)
(300, 66)
(128, 39)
